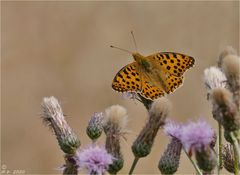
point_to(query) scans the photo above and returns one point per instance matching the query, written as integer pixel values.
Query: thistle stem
(236, 154)
(194, 164)
(219, 148)
(133, 165)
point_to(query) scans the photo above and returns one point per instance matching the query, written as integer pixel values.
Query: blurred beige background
(62, 49)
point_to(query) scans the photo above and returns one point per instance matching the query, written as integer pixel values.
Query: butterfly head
(137, 57)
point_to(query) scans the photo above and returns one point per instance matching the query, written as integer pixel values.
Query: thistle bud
(157, 114)
(95, 126)
(206, 159)
(169, 161)
(229, 50)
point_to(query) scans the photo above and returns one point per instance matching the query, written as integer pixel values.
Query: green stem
(219, 147)
(133, 165)
(194, 164)
(236, 154)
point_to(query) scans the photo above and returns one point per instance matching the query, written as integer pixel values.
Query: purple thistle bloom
(196, 135)
(173, 129)
(95, 159)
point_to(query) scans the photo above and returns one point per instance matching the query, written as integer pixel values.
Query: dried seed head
(228, 51)
(231, 67)
(54, 118)
(95, 126)
(228, 158)
(221, 96)
(157, 114)
(114, 127)
(169, 162)
(224, 109)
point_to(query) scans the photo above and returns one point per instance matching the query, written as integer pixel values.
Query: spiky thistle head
(169, 161)
(95, 126)
(54, 118)
(158, 112)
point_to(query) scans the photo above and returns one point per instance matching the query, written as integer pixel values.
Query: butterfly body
(153, 76)
(150, 69)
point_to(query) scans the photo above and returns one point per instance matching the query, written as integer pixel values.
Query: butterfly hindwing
(127, 79)
(151, 92)
(173, 82)
(174, 63)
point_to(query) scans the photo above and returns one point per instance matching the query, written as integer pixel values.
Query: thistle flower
(54, 118)
(157, 114)
(95, 159)
(228, 158)
(224, 109)
(214, 78)
(173, 129)
(169, 162)
(196, 135)
(95, 126)
(114, 127)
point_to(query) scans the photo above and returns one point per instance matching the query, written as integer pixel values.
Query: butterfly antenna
(125, 50)
(135, 43)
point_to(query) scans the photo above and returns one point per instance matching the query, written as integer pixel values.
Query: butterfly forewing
(127, 79)
(174, 63)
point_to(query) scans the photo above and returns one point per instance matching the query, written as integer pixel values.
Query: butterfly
(152, 76)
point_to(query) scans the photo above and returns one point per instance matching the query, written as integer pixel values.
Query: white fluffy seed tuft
(214, 78)
(116, 114)
(161, 106)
